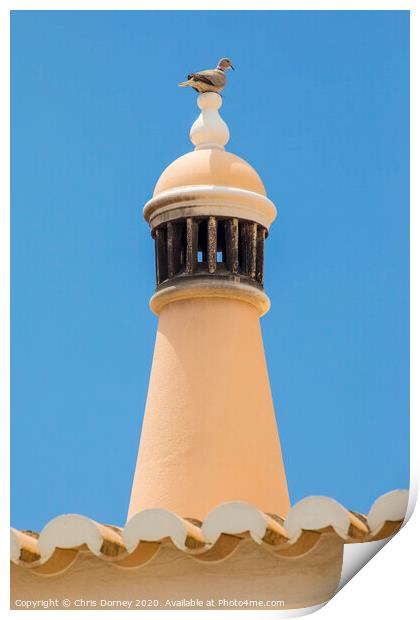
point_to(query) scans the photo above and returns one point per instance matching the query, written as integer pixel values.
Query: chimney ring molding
(202, 200)
(210, 289)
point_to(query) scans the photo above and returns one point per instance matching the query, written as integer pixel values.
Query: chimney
(209, 431)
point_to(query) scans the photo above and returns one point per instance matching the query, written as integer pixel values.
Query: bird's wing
(210, 76)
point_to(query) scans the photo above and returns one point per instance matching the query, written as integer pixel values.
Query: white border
(387, 586)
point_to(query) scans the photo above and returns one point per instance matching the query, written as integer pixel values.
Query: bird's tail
(184, 83)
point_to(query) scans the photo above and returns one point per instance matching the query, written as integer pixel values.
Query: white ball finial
(209, 130)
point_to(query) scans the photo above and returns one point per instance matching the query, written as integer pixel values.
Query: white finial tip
(206, 101)
(209, 130)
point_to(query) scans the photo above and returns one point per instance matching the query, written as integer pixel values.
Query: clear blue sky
(319, 105)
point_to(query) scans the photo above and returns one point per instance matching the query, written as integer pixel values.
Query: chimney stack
(209, 431)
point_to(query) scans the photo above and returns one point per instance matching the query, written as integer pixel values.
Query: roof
(63, 538)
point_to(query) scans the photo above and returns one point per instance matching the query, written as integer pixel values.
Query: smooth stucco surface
(250, 573)
(209, 432)
(210, 167)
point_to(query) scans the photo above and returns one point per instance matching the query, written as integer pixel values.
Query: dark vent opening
(222, 247)
(241, 246)
(202, 242)
(221, 242)
(161, 254)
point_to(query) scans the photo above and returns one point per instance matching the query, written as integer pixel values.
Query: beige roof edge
(222, 530)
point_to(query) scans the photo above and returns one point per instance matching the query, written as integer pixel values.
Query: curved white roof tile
(391, 506)
(156, 524)
(70, 531)
(315, 513)
(67, 535)
(237, 518)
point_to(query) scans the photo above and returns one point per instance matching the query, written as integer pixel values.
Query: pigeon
(210, 80)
